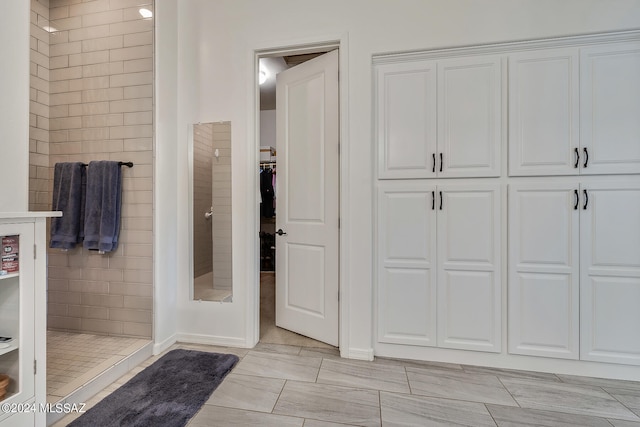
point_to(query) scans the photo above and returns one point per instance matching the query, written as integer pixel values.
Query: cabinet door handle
(586, 199)
(433, 200)
(441, 200)
(575, 207)
(577, 158)
(441, 162)
(434, 162)
(586, 157)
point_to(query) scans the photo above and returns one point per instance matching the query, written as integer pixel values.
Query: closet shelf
(12, 346)
(9, 276)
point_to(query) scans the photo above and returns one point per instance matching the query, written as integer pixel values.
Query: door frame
(253, 297)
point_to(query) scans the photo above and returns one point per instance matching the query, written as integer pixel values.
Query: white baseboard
(159, 347)
(212, 340)
(358, 353)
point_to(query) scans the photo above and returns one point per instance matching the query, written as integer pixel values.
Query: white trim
(358, 354)
(573, 41)
(264, 50)
(213, 340)
(510, 361)
(162, 346)
(24, 215)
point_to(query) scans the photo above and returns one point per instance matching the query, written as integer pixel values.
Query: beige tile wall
(100, 108)
(202, 182)
(39, 196)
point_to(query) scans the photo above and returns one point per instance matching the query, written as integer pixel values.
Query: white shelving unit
(23, 314)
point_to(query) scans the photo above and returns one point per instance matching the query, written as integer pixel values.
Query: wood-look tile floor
(282, 385)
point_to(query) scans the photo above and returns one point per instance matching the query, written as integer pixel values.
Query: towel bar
(128, 164)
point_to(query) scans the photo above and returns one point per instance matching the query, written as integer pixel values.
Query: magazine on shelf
(10, 263)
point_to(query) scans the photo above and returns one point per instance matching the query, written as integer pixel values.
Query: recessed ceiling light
(263, 74)
(146, 13)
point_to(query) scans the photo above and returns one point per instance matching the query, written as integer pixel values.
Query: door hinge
(338, 295)
(35, 366)
(338, 223)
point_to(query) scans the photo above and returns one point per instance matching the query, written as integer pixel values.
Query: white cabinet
(543, 290)
(610, 108)
(23, 315)
(469, 117)
(406, 119)
(574, 270)
(574, 111)
(439, 118)
(406, 266)
(439, 265)
(469, 285)
(610, 272)
(544, 112)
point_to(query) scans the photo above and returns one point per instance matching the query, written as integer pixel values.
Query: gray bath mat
(167, 393)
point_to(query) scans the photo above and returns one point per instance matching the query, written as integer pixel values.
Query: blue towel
(69, 181)
(102, 210)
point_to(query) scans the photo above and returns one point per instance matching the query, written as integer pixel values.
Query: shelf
(13, 345)
(9, 276)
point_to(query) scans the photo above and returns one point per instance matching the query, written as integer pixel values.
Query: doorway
(299, 194)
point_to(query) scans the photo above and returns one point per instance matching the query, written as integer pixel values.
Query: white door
(544, 282)
(469, 285)
(307, 195)
(543, 112)
(469, 117)
(610, 108)
(610, 272)
(406, 247)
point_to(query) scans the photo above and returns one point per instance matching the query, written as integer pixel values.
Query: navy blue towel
(102, 210)
(69, 181)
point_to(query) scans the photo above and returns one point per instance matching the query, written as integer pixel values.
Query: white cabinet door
(469, 285)
(544, 282)
(406, 119)
(469, 116)
(543, 112)
(610, 108)
(406, 271)
(610, 273)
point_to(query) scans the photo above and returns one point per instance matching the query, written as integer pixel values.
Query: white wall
(216, 82)
(165, 185)
(14, 105)
(268, 128)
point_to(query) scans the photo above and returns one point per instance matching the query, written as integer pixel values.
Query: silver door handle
(208, 215)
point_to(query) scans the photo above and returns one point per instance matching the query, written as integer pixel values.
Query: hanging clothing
(267, 193)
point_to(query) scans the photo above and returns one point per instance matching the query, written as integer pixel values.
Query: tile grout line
(278, 399)
(508, 391)
(490, 414)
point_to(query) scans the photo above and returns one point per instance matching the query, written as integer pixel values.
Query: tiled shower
(92, 99)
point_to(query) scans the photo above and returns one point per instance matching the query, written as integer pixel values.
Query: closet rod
(128, 164)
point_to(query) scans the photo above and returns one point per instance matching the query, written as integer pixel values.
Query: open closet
(270, 230)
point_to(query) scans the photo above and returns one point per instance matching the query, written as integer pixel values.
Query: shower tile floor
(203, 290)
(74, 359)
